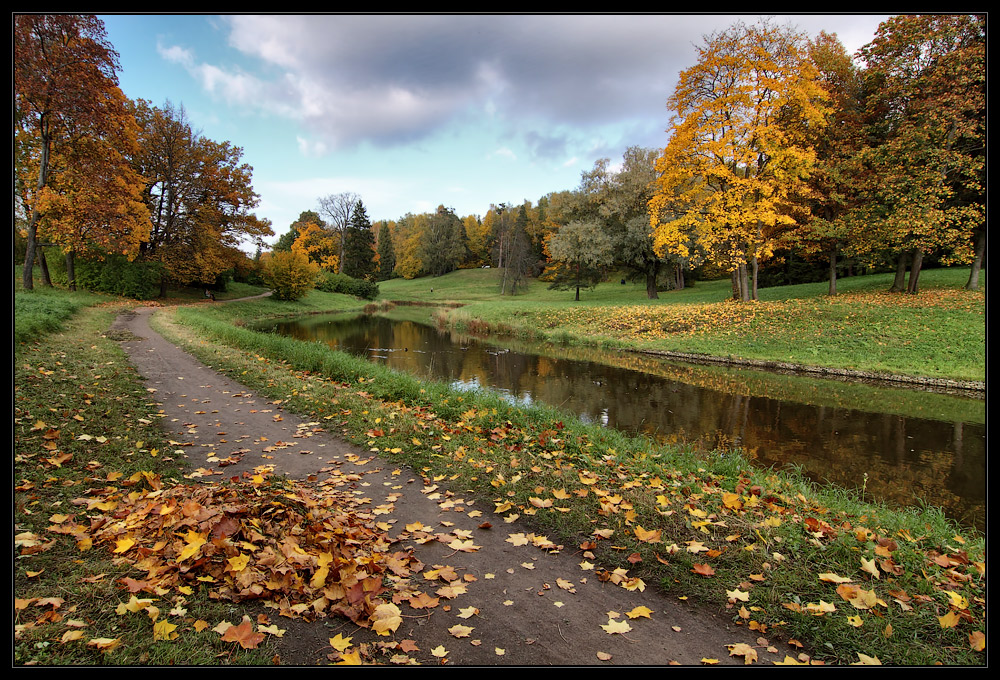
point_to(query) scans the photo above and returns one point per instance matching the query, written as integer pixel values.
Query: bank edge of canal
(975, 388)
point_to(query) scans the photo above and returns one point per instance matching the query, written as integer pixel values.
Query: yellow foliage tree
(318, 245)
(409, 237)
(738, 149)
(289, 274)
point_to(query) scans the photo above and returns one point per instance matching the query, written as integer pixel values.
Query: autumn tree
(289, 274)
(319, 245)
(92, 205)
(477, 237)
(359, 245)
(927, 123)
(580, 253)
(411, 231)
(512, 249)
(68, 112)
(444, 242)
(285, 241)
(336, 211)
(832, 189)
(738, 147)
(200, 198)
(619, 199)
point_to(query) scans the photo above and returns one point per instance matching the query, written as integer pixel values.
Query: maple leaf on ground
(463, 546)
(748, 653)
(738, 594)
(352, 659)
(423, 601)
(612, 627)
(386, 618)
(865, 660)
(340, 643)
(164, 630)
(977, 640)
(703, 570)
(243, 634)
(104, 644)
(949, 620)
(651, 536)
(869, 566)
(833, 578)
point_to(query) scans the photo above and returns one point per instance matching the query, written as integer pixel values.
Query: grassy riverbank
(940, 333)
(850, 580)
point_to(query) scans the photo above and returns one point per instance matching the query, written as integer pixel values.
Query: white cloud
(313, 149)
(176, 54)
(504, 152)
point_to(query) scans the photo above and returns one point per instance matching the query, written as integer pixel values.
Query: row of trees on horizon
(781, 150)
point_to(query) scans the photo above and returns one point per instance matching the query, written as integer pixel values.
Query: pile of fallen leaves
(305, 553)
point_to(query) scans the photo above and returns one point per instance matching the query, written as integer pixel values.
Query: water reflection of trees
(905, 458)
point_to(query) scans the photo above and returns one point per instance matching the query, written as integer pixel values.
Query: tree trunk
(679, 274)
(71, 269)
(651, 293)
(833, 272)
(977, 263)
(756, 269)
(899, 283)
(914, 285)
(44, 266)
(27, 276)
(744, 282)
(735, 276)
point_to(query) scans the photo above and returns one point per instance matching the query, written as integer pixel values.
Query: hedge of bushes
(329, 282)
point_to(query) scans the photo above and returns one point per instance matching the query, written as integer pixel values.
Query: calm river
(914, 446)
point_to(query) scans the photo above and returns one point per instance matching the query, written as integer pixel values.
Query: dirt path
(532, 607)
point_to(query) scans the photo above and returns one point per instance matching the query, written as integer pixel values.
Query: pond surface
(913, 446)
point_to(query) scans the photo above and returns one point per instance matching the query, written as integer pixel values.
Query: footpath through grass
(86, 432)
(940, 333)
(853, 582)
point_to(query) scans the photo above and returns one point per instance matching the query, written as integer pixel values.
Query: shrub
(290, 274)
(329, 282)
(114, 274)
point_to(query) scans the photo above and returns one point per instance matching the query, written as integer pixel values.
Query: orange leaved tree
(739, 148)
(72, 133)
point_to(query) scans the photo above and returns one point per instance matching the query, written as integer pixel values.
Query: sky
(414, 111)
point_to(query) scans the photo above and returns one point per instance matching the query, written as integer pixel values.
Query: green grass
(43, 310)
